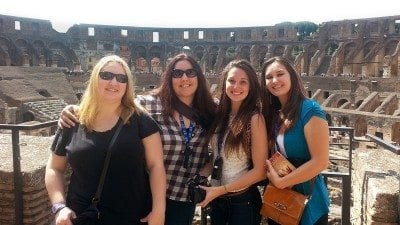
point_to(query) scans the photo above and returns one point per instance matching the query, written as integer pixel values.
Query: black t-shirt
(126, 195)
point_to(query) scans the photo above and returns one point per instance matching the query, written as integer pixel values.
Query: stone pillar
(374, 85)
(353, 87)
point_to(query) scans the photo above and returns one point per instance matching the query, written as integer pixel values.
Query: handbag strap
(97, 196)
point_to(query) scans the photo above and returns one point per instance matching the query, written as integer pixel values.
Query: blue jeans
(240, 209)
(179, 213)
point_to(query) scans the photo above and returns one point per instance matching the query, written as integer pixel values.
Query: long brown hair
(291, 111)
(202, 101)
(238, 131)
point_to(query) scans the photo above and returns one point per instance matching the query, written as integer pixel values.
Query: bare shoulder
(257, 119)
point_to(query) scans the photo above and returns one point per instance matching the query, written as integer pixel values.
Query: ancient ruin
(351, 67)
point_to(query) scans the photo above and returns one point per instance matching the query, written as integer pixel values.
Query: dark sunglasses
(177, 73)
(121, 78)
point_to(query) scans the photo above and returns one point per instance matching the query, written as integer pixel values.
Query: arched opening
(341, 102)
(28, 116)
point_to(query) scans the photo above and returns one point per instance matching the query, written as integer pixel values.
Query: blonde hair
(89, 106)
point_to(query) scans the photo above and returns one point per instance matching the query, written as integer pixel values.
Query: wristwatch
(57, 207)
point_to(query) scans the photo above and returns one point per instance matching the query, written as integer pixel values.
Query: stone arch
(296, 50)
(279, 50)
(108, 47)
(27, 116)
(349, 48)
(39, 47)
(155, 65)
(12, 56)
(331, 47)
(396, 132)
(155, 52)
(213, 56)
(244, 53)
(341, 102)
(360, 127)
(344, 121)
(198, 53)
(4, 58)
(58, 60)
(262, 51)
(22, 44)
(312, 49)
(139, 52)
(368, 48)
(29, 54)
(141, 64)
(390, 47)
(358, 103)
(5, 44)
(68, 55)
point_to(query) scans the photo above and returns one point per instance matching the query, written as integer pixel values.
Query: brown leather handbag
(283, 206)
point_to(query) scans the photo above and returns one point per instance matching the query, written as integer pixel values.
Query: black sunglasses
(121, 78)
(177, 73)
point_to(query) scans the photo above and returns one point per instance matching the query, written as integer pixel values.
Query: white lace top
(234, 166)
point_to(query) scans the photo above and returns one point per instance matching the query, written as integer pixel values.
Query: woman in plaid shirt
(184, 109)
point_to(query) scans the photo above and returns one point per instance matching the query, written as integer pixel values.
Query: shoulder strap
(97, 196)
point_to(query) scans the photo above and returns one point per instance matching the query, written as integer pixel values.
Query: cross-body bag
(91, 215)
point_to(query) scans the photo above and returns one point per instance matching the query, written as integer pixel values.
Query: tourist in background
(240, 149)
(299, 130)
(134, 188)
(184, 110)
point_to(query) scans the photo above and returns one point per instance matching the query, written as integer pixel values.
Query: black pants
(179, 213)
(241, 209)
(321, 221)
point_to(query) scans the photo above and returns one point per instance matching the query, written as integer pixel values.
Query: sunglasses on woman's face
(177, 73)
(121, 78)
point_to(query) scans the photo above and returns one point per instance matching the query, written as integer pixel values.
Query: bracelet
(57, 207)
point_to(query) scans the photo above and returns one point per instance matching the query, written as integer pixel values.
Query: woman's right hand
(65, 216)
(68, 117)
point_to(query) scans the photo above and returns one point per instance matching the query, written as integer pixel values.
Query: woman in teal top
(299, 130)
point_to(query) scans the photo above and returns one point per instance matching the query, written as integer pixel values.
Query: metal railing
(17, 175)
(344, 176)
(393, 148)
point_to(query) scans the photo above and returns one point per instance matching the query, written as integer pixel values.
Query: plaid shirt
(174, 146)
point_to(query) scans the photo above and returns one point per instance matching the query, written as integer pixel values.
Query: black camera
(196, 194)
(217, 168)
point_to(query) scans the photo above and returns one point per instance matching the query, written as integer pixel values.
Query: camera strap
(188, 134)
(219, 143)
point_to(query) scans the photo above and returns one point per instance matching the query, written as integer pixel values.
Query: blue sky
(201, 13)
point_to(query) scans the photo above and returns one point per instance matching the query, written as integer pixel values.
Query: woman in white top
(239, 142)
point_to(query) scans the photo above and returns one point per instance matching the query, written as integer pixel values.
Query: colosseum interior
(351, 67)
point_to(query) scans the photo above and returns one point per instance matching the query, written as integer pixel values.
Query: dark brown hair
(238, 132)
(202, 101)
(291, 111)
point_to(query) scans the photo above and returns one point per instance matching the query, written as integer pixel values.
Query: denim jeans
(241, 209)
(179, 213)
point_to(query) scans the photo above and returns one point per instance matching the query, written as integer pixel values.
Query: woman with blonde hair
(135, 182)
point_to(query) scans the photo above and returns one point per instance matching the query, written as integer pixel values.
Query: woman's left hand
(273, 176)
(211, 194)
(154, 218)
